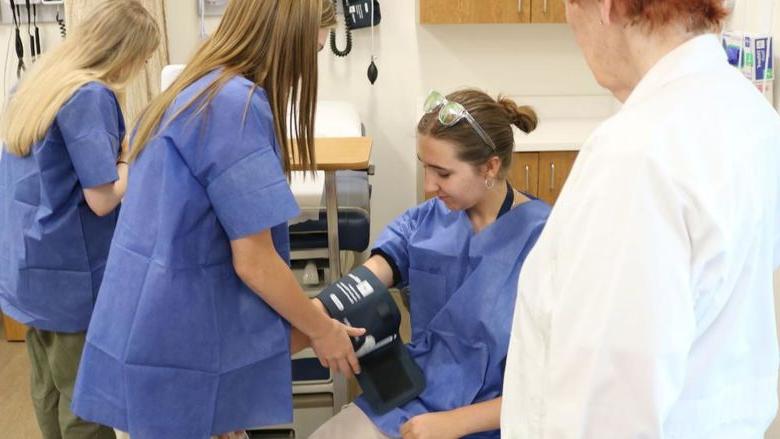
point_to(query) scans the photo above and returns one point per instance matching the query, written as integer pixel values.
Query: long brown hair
(273, 43)
(496, 117)
(110, 46)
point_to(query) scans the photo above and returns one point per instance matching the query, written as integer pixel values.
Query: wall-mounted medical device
(211, 7)
(46, 10)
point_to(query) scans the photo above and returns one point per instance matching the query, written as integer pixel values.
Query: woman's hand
(334, 348)
(439, 425)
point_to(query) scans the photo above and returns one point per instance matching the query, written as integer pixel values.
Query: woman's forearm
(272, 280)
(103, 199)
(479, 417)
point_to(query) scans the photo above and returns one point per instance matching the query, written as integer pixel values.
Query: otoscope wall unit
(211, 8)
(40, 11)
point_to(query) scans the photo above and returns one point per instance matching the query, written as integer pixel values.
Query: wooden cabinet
(554, 169)
(491, 11)
(14, 331)
(474, 11)
(548, 11)
(524, 173)
(541, 174)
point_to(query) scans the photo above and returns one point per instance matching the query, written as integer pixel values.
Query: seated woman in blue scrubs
(190, 336)
(62, 176)
(460, 254)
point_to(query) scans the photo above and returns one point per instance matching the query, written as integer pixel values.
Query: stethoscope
(35, 39)
(32, 31)
(20, 67)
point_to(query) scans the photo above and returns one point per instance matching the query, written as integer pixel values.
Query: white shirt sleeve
(617, 318)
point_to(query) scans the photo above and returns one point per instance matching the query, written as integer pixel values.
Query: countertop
(557, 134)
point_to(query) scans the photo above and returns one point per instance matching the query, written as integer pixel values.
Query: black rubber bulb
(373, 72)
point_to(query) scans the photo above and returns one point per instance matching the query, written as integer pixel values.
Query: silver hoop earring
(490, 183)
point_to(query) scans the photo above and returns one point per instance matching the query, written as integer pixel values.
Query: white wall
(50, 37)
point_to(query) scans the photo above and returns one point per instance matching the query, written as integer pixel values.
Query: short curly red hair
(696, 15)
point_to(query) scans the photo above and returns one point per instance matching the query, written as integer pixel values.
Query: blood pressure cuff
(389, 376)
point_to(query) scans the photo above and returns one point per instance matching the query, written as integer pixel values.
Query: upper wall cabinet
(474, 11)
(491, 11)
(548, 11)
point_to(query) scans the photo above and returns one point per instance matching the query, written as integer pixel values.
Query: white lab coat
(646, 308)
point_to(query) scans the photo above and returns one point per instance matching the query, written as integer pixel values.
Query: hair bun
(523, 117)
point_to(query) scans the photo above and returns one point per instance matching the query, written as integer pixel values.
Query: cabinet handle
(552, 176)
(527, 178)
(520, 6)
(545, 7)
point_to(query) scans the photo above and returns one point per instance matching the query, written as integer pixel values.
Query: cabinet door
(474, 11)
(548, 11)
(14, 331)
(524, 173)
(554, 168)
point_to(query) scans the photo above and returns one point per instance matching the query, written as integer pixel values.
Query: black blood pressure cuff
(389, 376)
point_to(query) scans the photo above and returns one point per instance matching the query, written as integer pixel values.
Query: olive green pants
(54, 357)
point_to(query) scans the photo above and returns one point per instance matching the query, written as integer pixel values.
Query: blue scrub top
(462, 289)
(54, 247)
(179, 346)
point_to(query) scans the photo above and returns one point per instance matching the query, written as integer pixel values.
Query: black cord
(61, 24)
(29, 29)
(333, 47)
(37, 32)
(20, 67)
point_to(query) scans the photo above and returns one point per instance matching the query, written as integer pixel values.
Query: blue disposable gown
(179, 346)
(54, 248)
(462, 290)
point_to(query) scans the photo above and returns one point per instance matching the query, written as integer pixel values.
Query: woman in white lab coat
(646, 307)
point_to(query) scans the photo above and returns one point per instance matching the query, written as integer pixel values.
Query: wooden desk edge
(359, 147)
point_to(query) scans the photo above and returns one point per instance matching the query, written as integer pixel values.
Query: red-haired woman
(646, 307)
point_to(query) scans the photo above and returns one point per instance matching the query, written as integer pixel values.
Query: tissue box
(757, 60)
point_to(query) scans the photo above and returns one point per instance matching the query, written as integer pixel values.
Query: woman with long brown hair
(62, 176)
(190, 336)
